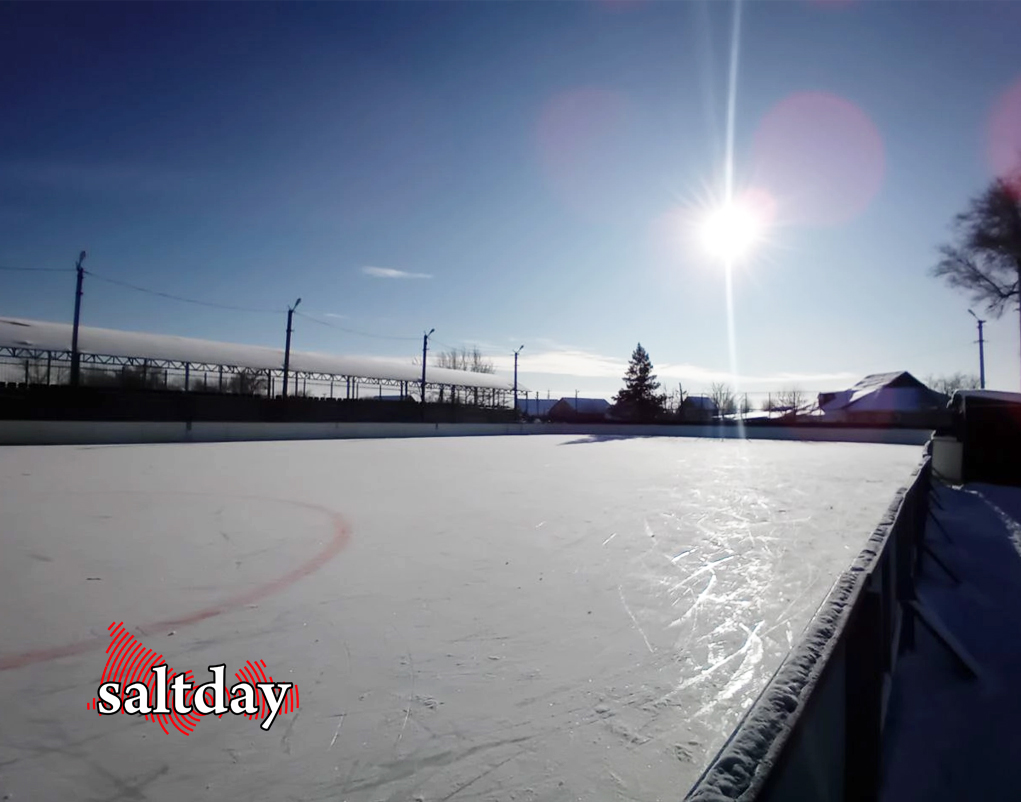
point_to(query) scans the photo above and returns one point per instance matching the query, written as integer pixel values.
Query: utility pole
(75, 357)
(516, 380)
(425, 350)
(981, 351)
(287, 344)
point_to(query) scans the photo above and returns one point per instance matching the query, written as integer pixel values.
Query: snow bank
(953, 736)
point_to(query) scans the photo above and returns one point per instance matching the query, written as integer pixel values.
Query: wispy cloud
(389, 272)
(566, 361)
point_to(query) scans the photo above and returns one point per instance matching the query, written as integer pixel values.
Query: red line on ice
(341, 536)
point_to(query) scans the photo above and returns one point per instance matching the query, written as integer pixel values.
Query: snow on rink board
(500, 618)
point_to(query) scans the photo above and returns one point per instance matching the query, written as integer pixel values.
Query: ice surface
(494, 618)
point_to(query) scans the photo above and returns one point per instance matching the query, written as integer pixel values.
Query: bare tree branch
(985, 259)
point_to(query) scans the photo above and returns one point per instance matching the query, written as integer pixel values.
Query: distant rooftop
(884, 392)
(536, 406)
(989, 395)
(586, 406)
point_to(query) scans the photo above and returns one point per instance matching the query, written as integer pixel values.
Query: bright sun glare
(729, 232)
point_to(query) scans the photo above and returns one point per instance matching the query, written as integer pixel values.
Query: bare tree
(464, 358)
(673, 401)
(33, 371)
(953, 382)
(745, 407)
(142, 377)
(790, 401)
(723, 398)
(985, 258)
(249, 382)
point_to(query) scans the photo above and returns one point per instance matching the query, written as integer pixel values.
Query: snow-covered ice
(466, 618)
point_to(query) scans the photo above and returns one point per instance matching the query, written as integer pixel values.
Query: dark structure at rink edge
(40, 402)
(815, 732)
(54, 403)
(988, 425)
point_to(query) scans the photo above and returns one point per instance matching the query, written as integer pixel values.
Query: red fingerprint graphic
(128, 662)
(254, 674)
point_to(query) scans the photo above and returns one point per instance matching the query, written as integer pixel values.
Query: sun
(730, 232)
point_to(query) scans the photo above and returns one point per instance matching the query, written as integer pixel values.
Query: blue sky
(535, 166)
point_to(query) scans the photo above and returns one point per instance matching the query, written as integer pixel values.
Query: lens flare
(1004, 137)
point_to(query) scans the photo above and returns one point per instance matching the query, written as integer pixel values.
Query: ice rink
(493, 618)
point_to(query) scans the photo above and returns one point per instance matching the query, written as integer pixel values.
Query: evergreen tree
(640, 397)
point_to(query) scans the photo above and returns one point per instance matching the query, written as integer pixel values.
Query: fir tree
(640, 397)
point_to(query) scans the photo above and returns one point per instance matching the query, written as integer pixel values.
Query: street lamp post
(981, 351)
(287, 344)
(425, 350)
(516, 377)
(75, 356)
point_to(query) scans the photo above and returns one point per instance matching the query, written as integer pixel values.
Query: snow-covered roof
(586, 406)
(536, 406)
(47, 336)
(989, 395)
(884, 392)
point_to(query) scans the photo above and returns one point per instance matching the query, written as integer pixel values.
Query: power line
(37, 269)
(462, 347)
(355, 331)
(181, 298)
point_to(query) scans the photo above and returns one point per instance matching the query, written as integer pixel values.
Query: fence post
(863, 700)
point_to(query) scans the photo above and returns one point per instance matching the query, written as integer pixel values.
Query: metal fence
(30, 366)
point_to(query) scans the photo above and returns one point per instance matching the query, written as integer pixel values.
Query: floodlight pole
(516, 379)
(75, 356)
(981, 351)
(425, 350)
(287, 344)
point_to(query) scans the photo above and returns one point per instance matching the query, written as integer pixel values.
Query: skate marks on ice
(724, 583)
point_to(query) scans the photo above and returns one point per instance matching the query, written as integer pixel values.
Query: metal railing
(30, 366)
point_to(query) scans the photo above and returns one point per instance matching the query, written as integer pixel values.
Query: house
(536, 407)
(699, 409)
(579, 410)
(885, 398)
